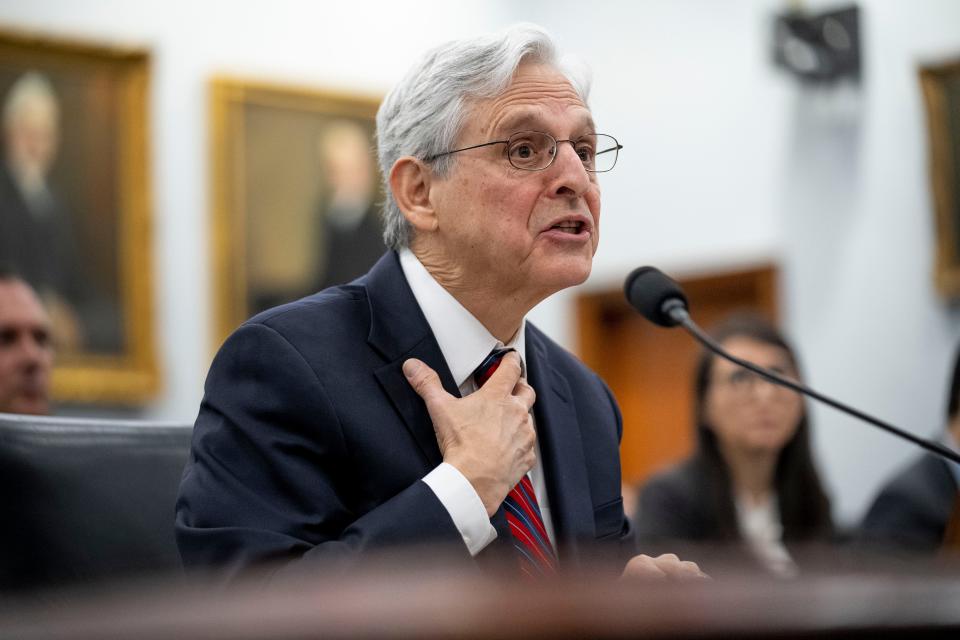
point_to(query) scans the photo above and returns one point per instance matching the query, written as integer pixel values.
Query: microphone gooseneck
(660, 300)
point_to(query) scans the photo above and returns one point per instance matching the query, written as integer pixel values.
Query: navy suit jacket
(310, 444)
(911, 512)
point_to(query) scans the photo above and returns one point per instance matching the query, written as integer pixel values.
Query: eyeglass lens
(744, 380)
(535, 150)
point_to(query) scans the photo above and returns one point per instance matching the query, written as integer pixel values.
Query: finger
(525, 393)
(505, 378)
(694, 570)
(424, 381)
(678, 569)
(644, 567)
(685, 570)
(689, 567)
(529, 432)
(668, 562)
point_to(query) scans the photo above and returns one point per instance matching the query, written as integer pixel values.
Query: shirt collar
(463, 340)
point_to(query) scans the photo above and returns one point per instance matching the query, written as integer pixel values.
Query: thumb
(424, 381)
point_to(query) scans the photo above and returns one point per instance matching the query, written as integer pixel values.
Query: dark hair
(8, 273)
(804, 506)
(953, 401)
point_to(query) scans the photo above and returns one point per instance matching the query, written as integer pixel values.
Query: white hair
(423, 114)
(26, 93)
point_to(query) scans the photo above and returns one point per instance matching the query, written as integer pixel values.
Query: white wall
(858, 233)
(686, 87)
(726, 162)
(364, 46)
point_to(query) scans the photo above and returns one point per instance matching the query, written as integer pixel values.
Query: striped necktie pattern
(535, 553)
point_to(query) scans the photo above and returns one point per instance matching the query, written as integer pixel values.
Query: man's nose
(573, 177)
(30, 349)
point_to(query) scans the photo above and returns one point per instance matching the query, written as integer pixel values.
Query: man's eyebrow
(533, 120)
(517, 122)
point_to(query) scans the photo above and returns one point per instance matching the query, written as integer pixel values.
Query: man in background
(26, 360)
(912, 510)
(26, 349)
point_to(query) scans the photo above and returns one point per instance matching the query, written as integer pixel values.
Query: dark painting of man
(36, 229)
(51, 232)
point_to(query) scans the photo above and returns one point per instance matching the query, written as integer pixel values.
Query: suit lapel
(561, 447)
(398, 330)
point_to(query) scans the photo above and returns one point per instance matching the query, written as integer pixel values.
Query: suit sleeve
(269, 474)
(903, 519)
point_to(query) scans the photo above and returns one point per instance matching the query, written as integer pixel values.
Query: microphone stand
(675, 309)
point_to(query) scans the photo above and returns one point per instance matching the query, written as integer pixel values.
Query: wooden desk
(406, 603)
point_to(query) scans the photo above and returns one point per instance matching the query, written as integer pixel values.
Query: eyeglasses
(536, 150)
(743, 381)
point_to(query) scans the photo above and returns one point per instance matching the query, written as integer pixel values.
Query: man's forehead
(537, 94)
(536, 117)
(18, 303)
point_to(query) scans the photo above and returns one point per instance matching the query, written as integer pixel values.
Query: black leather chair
(87, 500)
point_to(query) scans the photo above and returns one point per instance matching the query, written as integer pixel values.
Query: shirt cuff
(463, 504)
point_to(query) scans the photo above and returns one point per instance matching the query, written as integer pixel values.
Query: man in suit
(912, 510)
(352, 421)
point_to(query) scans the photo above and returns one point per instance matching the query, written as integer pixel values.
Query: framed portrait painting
(941, 93)
(296, 194)
(74, 208)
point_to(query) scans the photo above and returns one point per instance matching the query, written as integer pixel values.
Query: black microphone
(658, 298)
(661, 301)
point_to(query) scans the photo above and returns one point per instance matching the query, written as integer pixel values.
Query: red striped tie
(536, 555)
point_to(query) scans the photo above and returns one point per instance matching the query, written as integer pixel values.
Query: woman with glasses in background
(750, 491)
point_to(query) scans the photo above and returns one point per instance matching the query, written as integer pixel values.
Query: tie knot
(482, 373)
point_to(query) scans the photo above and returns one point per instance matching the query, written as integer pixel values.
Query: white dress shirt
(761, 528)
(464, 343)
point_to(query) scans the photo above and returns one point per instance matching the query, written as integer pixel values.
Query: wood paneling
(650, 369)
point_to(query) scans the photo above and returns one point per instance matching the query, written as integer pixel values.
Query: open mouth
(572, 227)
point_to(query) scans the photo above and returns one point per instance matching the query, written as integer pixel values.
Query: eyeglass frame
(742, 381)
(556, 145)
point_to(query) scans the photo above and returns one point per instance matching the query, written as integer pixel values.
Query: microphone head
(648, 289)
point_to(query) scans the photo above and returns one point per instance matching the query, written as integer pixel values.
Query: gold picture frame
(941, 92)
(282, 159)
(92, 265)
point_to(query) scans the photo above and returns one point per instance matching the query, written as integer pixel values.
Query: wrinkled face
(523, 233)
(746, 412)
(26, 352)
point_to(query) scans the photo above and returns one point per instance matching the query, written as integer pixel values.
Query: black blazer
(678, 505)
(912, 510)
(311, 444)
(678, 511)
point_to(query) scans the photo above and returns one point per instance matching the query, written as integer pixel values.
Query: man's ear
(410, 185)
